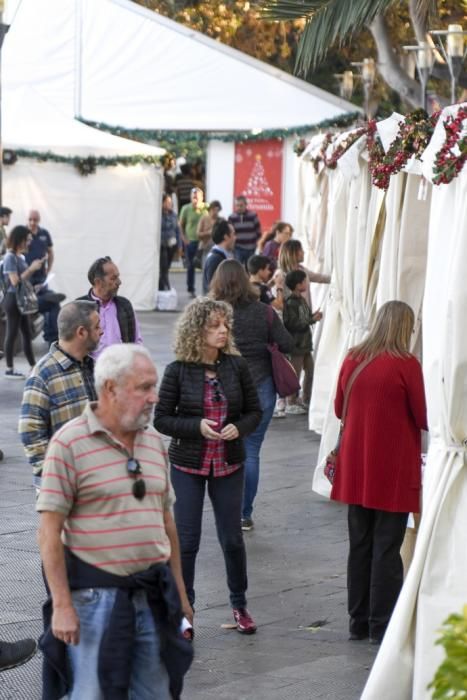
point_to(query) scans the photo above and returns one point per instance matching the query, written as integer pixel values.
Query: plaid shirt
(56, 391)
(215, 408)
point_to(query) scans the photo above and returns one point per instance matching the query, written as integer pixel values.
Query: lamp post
(3, 30)
(451, 42)
(345, 83)
(368, 73)
(424, 59)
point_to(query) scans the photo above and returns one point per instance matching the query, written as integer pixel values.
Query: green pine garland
(202, 137)
(85, 166)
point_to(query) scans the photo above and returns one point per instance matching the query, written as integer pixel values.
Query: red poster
(258, 176)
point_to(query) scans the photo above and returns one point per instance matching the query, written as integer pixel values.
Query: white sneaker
(279, 413)
(295, 410)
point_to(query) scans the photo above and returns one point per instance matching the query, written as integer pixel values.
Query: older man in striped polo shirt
(109, 545)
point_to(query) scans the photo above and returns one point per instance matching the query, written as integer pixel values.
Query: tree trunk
(389, 67)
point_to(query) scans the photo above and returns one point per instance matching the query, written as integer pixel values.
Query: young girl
(291, 257)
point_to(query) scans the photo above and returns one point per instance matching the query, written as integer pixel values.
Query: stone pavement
(296, 561)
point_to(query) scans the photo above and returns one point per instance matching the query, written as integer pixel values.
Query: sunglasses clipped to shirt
(139, 485)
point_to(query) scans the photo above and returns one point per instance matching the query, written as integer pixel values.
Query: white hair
(116, 361)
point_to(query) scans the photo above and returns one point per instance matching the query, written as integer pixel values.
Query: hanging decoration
(175, 138)
(85, 166)
(414, 135)
(452, 156)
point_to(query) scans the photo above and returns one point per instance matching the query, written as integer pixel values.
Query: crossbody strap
(350, 383)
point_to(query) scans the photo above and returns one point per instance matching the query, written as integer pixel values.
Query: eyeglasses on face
(139, 485)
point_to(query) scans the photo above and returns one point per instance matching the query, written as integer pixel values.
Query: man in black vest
(117, 317)
(223, 236)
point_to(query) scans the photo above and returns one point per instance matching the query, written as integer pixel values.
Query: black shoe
(247, 524)
(358, 636)
(16, 653)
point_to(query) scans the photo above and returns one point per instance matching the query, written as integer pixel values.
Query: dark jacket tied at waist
(115, 652)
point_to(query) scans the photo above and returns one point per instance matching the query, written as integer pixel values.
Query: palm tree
(335, 21)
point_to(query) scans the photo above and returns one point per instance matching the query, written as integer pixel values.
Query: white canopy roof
(116, 62)
(43, 128)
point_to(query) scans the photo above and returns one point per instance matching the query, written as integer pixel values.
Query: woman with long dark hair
(207, 404)
(255, 326)
(15, 269)
(378, 466)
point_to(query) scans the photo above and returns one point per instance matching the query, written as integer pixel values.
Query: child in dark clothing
(298, 317)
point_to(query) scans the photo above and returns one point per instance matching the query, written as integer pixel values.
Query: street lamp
(345, 83)
(3, 30)
(451, 43)
(368, 73)
(424, 59)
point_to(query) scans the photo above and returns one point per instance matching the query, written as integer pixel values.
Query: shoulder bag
(283, 373)
(26, 298)
(330, 466)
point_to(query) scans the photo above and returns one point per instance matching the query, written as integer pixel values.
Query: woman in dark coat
(255, 326)
(378, 468)
(207, 404)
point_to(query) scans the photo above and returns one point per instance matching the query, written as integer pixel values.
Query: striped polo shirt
(85, 478)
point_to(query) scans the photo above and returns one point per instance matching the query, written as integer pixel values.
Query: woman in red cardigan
(378, 467)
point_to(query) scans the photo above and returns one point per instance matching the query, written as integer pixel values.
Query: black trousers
(374, 571)
(15, 321)
(165, 261)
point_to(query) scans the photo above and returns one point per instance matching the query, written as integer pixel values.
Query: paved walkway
(296, 558)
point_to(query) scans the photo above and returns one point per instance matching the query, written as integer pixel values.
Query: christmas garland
(343, 146)
(412, 138)
(85, 166)
(176, 137)
(448, 164)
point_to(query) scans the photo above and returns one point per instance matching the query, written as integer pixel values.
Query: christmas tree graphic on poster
(258, 176)
(257, 186)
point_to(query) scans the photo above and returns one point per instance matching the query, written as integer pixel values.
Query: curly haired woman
(207, 404)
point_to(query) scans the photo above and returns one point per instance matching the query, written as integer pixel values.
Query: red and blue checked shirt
(214, 452)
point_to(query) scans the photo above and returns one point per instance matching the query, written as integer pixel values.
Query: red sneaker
(245, 623)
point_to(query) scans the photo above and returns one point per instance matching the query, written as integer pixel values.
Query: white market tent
(115, 62)
(83, 213)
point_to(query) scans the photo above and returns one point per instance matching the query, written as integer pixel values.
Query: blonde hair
(189, 334)
(288, 255)
(391, 332)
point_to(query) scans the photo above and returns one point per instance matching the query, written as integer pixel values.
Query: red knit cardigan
(378, 465)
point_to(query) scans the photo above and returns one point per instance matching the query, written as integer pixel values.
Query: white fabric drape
(437, 579)
(354, 307)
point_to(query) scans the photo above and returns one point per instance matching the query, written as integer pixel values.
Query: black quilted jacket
(180, 408)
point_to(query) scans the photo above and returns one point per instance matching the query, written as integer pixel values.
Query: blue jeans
(190, 252)
(50, 310)
(149, 678)
(243, 255)
(225, 493)
(267, 399)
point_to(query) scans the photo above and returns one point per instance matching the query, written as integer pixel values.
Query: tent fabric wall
(437, 578)
(114, 212)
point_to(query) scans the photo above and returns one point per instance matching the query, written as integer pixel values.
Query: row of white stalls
(408, 243)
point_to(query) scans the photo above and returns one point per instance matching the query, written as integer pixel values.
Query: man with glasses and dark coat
(118, 319)
(109, 546)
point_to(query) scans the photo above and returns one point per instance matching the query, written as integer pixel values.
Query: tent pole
(78, 57)
(3, 30)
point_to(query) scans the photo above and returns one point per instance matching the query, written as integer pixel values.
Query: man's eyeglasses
(139, 485)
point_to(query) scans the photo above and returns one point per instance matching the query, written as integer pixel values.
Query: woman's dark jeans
(226, 493)
(15, 321)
